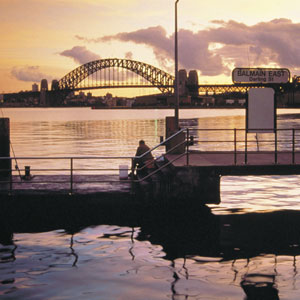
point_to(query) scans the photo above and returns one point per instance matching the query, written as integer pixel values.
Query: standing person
(146, 161)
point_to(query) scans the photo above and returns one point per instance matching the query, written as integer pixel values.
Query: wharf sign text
(260, 75)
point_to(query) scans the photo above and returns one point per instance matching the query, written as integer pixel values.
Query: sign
(261, 110)
(260, 75)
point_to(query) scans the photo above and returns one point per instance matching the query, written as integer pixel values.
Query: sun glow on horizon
(227, 35)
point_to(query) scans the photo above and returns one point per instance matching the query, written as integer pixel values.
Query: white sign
(261, 110)
(260, 75)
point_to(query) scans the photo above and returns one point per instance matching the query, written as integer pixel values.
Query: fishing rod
(12, 149)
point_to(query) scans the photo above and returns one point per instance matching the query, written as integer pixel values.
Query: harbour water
(249, 244)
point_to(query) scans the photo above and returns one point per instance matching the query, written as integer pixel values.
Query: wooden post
(5, 164)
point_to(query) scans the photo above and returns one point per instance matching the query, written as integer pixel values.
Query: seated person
(146, 162)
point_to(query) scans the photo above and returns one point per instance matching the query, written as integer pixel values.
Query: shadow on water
(260, 287)
(183, 231)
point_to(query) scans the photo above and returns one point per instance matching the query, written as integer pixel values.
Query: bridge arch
(157, 77)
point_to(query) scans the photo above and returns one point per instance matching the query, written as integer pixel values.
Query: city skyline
(49, 39)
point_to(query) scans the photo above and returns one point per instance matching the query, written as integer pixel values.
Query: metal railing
(69, 176)
(239, 141)
(236, 141)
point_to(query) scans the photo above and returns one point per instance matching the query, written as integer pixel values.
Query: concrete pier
(187, 176)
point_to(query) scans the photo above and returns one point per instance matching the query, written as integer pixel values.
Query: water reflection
(190, 249)
(260, 286)
(83, 251)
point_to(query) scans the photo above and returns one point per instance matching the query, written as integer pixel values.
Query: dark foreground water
(245, 248)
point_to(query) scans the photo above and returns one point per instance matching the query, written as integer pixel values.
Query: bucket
(123, 171)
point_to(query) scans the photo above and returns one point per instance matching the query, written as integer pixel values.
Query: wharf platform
(187, 176)
(240, 163)
(188, 172)
(61, 184)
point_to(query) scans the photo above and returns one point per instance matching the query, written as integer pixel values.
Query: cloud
(273, 43)
(29, 73)
(80, 54)
(153, 37)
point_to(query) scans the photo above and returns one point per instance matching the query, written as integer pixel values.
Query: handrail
(165, 165)
(68, 157)
(161, 144)
(161, 168)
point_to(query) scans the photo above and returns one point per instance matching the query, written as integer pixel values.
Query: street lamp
(176, 86)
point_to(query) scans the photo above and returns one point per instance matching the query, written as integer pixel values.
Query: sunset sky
(48, 39)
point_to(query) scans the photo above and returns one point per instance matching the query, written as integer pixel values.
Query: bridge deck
(241, 163)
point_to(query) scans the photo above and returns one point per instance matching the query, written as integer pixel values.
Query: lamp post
(176, 86)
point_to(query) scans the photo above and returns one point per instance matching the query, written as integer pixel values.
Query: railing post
(275, 146)
(71, 175)
(10, 182)
(235, 146)
(132, 169)
(187, 147)
(293, 145)
(246, 155)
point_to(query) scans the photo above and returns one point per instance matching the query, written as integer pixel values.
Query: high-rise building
(193, 83)
(54, 85)
(44, 85)
(182, 75)
(35, 87)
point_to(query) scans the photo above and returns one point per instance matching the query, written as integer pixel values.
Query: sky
(49, 38)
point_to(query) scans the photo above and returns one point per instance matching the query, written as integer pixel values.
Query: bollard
(5, 164)
(27, 172)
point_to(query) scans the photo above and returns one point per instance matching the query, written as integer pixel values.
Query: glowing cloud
(29, 73)
(80, 54)
(275, 43)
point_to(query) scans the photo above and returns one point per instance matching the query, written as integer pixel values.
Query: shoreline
(145, 108)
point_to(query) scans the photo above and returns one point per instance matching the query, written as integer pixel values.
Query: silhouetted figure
(144, 163)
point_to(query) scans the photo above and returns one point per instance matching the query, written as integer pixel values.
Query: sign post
(261, 111)
(260, 75)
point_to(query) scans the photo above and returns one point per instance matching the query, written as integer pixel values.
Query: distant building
(44, 85)
(43, 98)
(182, 75)
(242, 102)
(35, 87)
(112, 102)
(108, 96)
(54, 85)
(208, 101)
(229, 101)
(130, 102)
(192, 83)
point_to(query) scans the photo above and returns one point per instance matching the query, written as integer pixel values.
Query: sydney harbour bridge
(126, 73)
